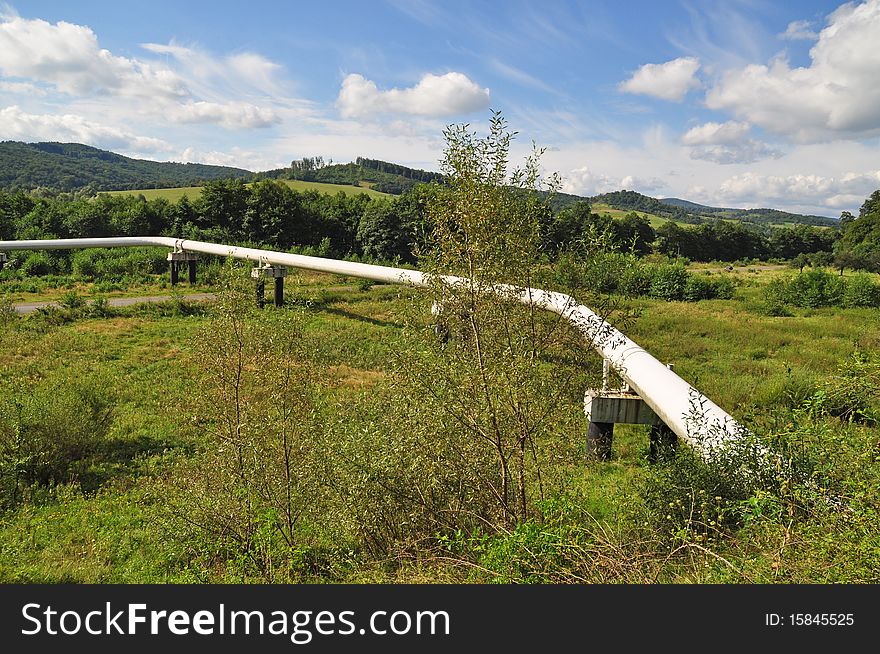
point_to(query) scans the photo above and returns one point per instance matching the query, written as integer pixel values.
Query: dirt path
(30, 307)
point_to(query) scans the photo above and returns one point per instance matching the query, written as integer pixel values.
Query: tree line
(272, 214)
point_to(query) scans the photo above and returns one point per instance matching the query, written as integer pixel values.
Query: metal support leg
(192, 271)
(174, 273)
(279, 291)
(600, 435)
(663, 443)
(261, 293)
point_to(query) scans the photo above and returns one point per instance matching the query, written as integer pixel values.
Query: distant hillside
(761, 216)
(381, 176)
(193, 192)
(685, 211)
(72, 166)
(685, 204)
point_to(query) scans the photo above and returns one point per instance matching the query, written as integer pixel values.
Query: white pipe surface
(687, 412)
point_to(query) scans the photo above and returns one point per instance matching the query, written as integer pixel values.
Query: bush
(815, 288)
(47, 432)
(861, 292)
(37, 264)
(853, 392)
(818, 288)
(698, 288)
(635, 280)
(8, 313)
(724, 288)
(71, 300)
(669, 281)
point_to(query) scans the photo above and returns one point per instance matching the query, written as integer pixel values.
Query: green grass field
(113, 523)
(656, 221)
(192, 192)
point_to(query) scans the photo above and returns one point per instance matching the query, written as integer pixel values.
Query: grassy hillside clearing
(193, 192)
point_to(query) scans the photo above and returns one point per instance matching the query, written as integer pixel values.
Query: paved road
(29, 307)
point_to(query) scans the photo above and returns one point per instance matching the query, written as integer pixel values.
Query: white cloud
(232, 115)
(435, 95)
(799, 30)
(833, 192)
(583, 181)
(18, 125)
(668, 81)
(68, 57)
(191, 86)
(748, 151)
(726, 143)
(21, 88)
(236, 75)
(836, 95)
(716, 133)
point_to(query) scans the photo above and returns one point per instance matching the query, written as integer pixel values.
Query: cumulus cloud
(18, 125)
(668, 81)
(435, 95)
(583, 181)
(190, 87)
(837, 95)
(799, 30)
(716, 133)
(232, 115)
(68, 57)
(726, 143)
(833, 192)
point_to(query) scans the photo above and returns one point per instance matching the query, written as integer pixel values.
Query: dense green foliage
(610, 272)
(859, 244)
(266, 212)
(68, 167)
(730, 241)
(818, 288)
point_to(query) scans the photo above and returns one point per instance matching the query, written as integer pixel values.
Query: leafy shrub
(724, 288)
(818, 288)
(46, 433)
(117, 264)
(690, 498)
(37, 264)
(7, 312)
(635, 280)
(72, 300)
(853, 392)
(861, 292)
(668, 282)
(698, 288)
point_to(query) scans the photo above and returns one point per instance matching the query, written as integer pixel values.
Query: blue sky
(740, 103)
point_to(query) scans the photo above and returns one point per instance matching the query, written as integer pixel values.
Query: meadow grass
(108, 527)
(193, 192)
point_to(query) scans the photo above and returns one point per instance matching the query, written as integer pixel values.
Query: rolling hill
(193, 192)
(763, 216)
(684, 211)
(71, 166)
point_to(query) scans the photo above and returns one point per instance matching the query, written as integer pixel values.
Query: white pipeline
(687, 412)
